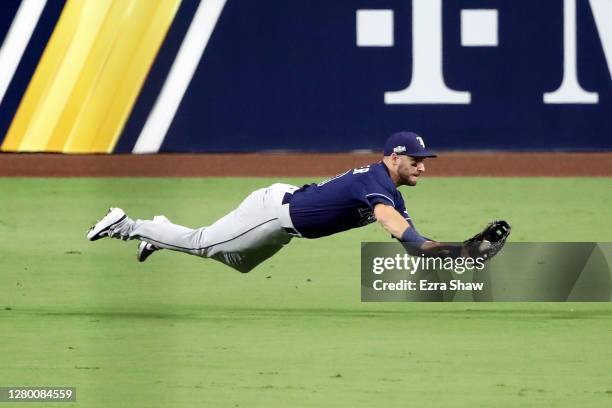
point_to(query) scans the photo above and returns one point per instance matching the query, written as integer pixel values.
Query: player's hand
(489, 241)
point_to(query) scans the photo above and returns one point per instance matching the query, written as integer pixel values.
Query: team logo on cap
(399, 149)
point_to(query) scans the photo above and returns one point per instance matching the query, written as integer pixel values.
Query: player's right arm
(399, 227)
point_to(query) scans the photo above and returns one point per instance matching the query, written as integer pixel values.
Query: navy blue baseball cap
(408, 144)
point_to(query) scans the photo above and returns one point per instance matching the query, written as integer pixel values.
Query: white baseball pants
(242, 239)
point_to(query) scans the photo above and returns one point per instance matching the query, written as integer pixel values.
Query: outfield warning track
(485, 164)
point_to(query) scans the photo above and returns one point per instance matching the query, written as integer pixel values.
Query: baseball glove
(489, 241)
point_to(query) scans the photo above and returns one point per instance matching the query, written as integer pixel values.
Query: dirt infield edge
(490, 164)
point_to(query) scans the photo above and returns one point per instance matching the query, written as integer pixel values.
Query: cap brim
(423, 153)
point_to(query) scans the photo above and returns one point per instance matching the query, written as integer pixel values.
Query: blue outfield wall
(289, 75)
(326, 76)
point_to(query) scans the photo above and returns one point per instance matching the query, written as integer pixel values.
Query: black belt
(287, 198)
(291, 231)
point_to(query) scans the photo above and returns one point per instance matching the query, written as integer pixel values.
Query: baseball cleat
(144, 250)
(100, 228)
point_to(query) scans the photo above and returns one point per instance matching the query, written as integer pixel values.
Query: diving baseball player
(270, 217)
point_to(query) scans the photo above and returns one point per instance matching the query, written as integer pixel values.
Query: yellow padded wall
(90, 75)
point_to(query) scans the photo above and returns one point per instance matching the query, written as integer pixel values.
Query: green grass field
(180, 331)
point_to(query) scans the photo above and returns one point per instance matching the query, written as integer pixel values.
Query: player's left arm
(401, 229)
(391, 220)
